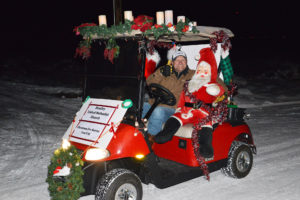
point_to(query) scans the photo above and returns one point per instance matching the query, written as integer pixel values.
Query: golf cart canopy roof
(205, 33)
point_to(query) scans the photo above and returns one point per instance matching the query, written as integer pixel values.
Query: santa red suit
(202, 88)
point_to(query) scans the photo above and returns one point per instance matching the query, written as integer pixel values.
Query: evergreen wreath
(65, 187)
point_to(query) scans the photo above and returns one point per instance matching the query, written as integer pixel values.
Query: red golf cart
(129, 158)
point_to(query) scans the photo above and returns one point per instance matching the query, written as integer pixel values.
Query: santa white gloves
(213, 89)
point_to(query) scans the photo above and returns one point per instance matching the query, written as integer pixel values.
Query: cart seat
(185, 131)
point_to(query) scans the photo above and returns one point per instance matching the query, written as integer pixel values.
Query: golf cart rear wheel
(119, 184)
(239, 162)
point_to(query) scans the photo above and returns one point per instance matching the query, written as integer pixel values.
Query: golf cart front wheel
(240, 161)
(119, 184)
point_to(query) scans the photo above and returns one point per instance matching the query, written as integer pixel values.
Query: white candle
(182, 18)
(160, 19)
(128, 15)
(102, 20)
(168, 17)
(194, 23)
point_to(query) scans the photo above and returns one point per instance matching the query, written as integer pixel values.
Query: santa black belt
(192, 105)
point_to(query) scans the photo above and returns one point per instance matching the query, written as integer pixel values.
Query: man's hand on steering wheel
(161, 94)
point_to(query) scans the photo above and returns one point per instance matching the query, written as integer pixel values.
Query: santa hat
(65, 171)
(207, 55)
(152, 61)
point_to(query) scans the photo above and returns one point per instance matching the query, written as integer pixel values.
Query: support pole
(84, 82)
(142, 79)
(117, 4)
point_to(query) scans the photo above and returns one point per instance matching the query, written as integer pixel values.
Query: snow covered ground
(34, 118)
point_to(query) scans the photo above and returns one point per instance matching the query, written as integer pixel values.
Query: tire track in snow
(22, 168)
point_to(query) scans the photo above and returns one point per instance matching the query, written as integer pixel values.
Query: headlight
(139, 156)
(96, 154)
(65, 144)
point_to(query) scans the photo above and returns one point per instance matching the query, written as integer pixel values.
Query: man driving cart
(173, 78)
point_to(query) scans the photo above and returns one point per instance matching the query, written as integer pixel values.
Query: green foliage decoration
(66, 187)
(105, 32)
(89, 31)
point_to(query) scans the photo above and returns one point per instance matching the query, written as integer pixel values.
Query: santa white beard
(197, 82)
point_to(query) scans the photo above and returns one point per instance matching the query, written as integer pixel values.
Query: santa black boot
(205, 142)
(170, 128)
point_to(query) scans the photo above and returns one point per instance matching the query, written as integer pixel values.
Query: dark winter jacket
(174, 82)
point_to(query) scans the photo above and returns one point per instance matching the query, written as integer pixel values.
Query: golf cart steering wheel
(161, 94)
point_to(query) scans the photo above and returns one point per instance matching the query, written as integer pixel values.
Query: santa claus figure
(202, 89)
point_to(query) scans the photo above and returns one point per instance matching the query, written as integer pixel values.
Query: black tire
(240, 161)
(119, 184)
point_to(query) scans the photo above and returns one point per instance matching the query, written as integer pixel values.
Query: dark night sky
(43, 29)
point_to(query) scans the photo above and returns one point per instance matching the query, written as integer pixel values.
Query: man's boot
(205, 142)
(170, 128)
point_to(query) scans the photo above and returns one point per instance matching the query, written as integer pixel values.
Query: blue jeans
(158, 117)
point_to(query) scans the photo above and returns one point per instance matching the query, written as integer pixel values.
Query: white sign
(98, 113)
(94, 123)
(88, 131)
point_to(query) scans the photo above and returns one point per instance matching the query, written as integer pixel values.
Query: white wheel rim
(126, 191)
(243, 161)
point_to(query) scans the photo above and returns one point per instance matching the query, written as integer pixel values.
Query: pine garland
(142, 23)
(66, 187)
(89, 30)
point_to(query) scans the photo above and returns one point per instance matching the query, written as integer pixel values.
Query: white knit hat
(178, 53)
